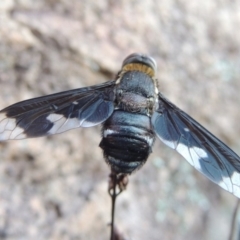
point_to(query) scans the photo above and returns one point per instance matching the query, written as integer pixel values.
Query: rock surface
(56, 187)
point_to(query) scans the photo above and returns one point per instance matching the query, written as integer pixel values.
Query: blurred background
(56, 187)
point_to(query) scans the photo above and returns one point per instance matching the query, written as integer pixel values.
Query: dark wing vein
(59, 112)
(197, 145)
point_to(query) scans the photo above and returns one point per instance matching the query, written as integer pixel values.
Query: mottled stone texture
(56, 187)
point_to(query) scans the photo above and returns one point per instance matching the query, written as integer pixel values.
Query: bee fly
(132, 112)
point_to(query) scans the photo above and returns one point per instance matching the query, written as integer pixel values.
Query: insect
(132, 112)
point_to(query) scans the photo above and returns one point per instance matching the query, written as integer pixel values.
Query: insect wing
(197, 145)
(56, 113)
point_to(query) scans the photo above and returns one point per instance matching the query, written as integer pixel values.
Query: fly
(132, 112)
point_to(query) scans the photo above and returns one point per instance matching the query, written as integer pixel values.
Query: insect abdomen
(127, 140)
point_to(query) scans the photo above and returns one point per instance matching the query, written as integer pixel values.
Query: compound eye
(142, 59)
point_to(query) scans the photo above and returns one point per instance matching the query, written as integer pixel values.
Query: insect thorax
(136, 92)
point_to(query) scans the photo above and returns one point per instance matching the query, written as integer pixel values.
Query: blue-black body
(127, 134)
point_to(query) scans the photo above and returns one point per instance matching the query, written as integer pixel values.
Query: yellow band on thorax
(139, 67)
